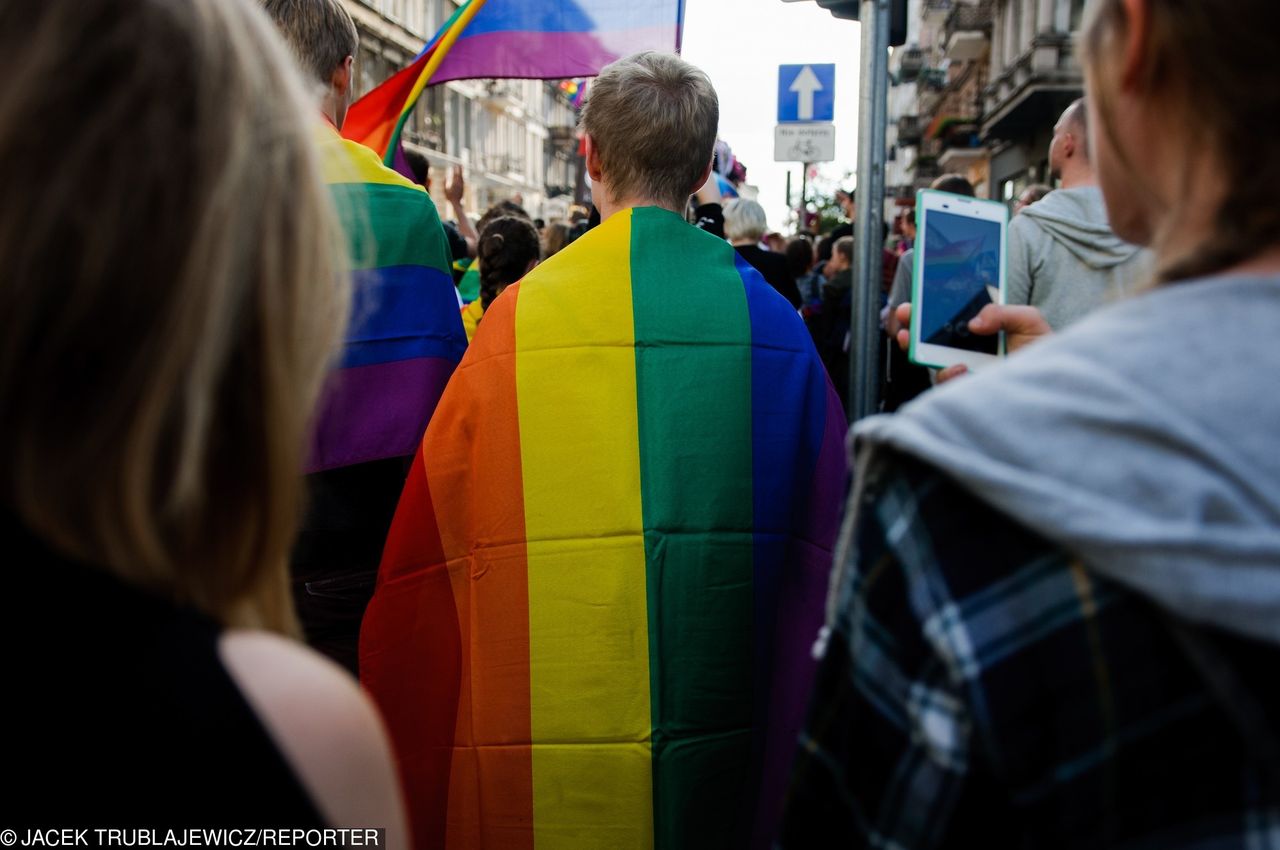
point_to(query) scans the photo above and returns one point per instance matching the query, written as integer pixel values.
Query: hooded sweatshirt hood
(1143, 441)
(1077, 220)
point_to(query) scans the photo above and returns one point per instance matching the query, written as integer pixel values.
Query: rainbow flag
(377, 119)
(554, 39)
(595, 608)
(546, 40)
(405, 336)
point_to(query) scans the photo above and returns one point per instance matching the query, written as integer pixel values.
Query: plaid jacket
(981, 689)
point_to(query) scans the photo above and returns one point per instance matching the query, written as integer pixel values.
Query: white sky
(740, 44)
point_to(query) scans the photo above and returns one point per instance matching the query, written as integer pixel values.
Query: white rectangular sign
(804, 143)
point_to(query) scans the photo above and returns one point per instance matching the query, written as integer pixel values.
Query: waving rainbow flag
(595, 607)
(523, 39)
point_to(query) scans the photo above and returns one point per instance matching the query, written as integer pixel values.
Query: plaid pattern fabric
(981, 689)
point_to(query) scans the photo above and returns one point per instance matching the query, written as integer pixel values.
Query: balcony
(960, 143)
(924, 169)
(968, 31)
(1032, 90)
(503, 164)
(937, 8)
(909, 131)
(911, 64)
(500, 94)
(933, 79)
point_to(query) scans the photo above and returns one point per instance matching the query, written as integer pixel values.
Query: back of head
(508, 244)
(953, 183)
(824, 248)
(418, 166)
(653, 119)
(1222, 108)
(844, 247)
(799, 256)
(320, 32)
(500, 210)
(743, 220)
(170, 297)
(555, 237)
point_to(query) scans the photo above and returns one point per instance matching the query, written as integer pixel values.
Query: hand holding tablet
(959, 270)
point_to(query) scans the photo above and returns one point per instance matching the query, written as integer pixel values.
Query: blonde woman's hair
(1227, 102)
(171, 294)
(744, 219)
(653, 118)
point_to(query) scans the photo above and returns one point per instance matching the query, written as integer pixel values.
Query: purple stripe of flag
(376, 412)
(802, 595)
(547, 55)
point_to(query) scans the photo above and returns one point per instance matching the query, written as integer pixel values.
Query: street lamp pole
(864, 338)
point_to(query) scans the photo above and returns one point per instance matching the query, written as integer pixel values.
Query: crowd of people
(565, 497)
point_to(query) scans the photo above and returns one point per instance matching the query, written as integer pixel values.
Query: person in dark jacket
(744, 225)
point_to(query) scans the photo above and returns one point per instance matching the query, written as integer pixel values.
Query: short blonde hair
(173, 291)
(744, 219)
(320, 33)
(653, 118)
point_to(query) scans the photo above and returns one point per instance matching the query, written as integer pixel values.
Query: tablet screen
(961, 275)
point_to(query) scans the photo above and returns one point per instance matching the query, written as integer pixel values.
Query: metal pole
(804, 191)
(864, 338)
(788, 188)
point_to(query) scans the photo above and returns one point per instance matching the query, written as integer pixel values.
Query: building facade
(976, 91)
(1034, 76)
(513, 138)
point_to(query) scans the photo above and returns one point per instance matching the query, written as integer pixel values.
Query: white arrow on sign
(806, 84)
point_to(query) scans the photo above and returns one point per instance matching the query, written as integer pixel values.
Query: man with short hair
(595, 607)
(1063, 257)
(404, 341)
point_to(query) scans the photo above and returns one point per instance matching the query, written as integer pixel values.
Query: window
(1077, 13)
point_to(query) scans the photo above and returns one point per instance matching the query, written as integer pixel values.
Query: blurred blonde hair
(1225, 102)
(173, 291)
(744, 219)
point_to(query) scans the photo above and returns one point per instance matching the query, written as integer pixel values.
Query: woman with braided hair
(508, 250)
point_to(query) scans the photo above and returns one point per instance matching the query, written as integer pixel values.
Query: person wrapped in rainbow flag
(404, 340)
(594, 613)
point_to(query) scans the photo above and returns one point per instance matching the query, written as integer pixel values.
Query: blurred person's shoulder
(323, 724)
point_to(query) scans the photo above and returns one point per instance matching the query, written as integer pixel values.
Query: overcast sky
(740, 44)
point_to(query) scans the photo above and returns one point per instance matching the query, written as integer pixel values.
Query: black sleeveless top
(119, 713)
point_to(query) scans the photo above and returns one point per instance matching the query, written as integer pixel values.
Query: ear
(706, 175)
(593, 159)
(340, 80)
(1135, 47)
(533, 264)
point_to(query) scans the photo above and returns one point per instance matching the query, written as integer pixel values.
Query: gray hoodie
(1145, 440)
(1064, 259)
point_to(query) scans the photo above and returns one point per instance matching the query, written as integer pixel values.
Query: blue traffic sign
(806, 93)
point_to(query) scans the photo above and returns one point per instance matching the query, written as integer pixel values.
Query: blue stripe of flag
(403, 312)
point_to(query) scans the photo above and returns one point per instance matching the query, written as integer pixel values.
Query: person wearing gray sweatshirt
(1063, 256)
(1054, 619)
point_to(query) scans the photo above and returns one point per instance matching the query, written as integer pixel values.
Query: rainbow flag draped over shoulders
(594, 613)
(405, 335)
(547, 39)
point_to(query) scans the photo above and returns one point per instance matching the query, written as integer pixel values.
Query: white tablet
(959, 269)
